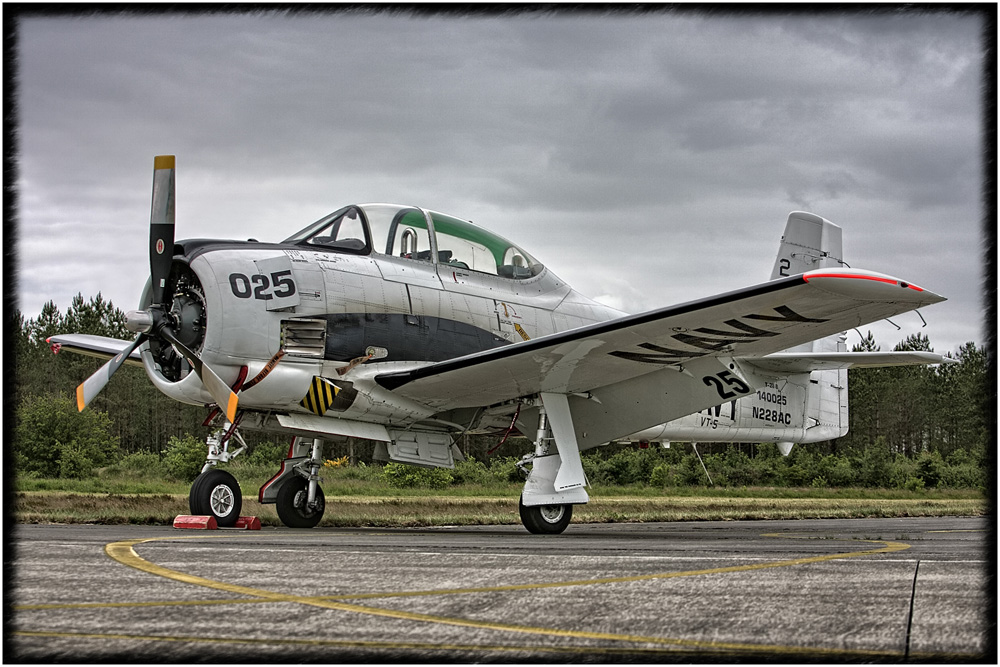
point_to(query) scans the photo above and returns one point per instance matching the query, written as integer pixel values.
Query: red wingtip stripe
(889, 281)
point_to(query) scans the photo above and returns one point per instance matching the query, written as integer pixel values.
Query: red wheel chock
(203, 522)
(190, 521)
(248, 523)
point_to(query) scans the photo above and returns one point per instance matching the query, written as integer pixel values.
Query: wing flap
(751, 322)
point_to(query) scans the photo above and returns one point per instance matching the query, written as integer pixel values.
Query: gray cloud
(648, 158)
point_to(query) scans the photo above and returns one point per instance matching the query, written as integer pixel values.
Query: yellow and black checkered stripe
(320, 396)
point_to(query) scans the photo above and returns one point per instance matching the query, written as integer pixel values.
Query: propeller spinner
(162, 321)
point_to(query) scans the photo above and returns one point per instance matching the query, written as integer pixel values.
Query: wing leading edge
(751, 322)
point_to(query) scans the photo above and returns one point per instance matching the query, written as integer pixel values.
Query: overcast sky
(647, 159)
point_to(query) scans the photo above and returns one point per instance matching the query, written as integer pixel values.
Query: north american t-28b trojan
(410, 328)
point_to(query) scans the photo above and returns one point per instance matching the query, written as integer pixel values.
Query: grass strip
(437, 510)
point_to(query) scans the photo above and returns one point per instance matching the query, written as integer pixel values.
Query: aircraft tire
(216, 493)
(291, 504)
(194, 497)
(545, 519)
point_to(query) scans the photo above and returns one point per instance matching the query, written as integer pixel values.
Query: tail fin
(812, 242)
(809, 242)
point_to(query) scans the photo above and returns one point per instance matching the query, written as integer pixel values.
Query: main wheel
(216, 493)
(545, 519)
(291, 504)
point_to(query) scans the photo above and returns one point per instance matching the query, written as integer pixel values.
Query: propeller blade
(93, 385)
(220, 391)
(161, 225)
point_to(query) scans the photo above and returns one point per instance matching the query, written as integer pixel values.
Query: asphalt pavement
(758, 591)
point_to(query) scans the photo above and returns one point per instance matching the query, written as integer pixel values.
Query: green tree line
(908, 425)
(128, 416)
(921, 408)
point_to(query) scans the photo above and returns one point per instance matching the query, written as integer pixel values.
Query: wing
(752, 322)
(94, 346)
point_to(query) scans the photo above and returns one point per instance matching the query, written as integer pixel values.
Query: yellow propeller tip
(163, 162)
(231, 407)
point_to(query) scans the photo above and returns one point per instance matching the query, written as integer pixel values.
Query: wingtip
(870, 285)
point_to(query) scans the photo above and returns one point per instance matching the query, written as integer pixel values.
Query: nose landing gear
(216, 493)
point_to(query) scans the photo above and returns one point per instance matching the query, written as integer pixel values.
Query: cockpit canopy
(420, 235)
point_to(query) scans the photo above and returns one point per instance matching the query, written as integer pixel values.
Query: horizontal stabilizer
(793, 362)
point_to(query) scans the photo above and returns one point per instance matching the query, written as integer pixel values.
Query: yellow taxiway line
(124, 553)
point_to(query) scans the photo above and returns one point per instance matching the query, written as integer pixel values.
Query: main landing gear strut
(295, 490)
(556, 480)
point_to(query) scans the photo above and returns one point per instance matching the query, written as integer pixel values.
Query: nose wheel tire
(292, 504)
(216, 493)
(545, 519)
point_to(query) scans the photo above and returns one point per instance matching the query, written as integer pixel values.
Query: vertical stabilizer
(812, 242)
(809, 242)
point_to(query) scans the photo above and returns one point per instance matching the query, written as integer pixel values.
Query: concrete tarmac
(791, 591)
